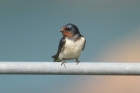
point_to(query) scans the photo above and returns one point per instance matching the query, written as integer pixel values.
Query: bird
(71, 44)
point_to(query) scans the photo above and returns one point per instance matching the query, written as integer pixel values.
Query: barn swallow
(71, 44)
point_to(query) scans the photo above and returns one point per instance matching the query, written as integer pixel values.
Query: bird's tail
(56, 59)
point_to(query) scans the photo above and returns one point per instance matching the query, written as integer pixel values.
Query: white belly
(72, 49)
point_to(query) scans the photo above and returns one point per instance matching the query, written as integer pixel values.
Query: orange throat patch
(67, 33)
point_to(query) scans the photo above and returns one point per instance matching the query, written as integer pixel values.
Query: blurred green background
(29, 32)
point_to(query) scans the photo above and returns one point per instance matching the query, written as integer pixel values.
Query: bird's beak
(61, 30)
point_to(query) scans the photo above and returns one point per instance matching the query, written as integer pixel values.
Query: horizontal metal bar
(83, 68)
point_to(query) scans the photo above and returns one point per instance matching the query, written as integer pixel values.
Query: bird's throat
(67, 33)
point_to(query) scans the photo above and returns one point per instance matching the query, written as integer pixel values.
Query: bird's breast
(72, 49)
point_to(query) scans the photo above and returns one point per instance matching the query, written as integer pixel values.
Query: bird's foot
(63, 63)
(77, 61)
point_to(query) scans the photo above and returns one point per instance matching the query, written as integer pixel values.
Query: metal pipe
(83, 68)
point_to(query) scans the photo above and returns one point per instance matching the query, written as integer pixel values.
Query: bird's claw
(77, 61)
(63, 63)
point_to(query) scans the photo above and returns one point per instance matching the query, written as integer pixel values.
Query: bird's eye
(68, 28)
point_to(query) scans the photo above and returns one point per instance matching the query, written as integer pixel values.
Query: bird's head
(69, 30)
